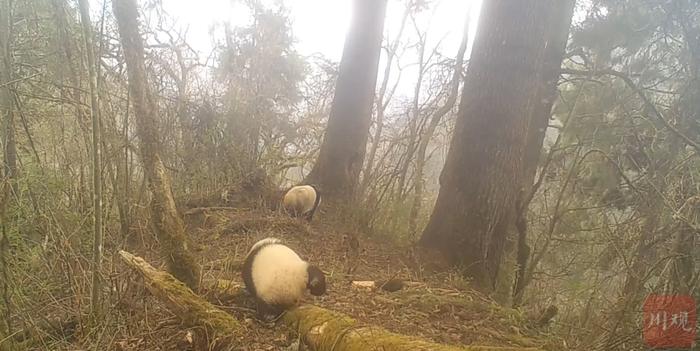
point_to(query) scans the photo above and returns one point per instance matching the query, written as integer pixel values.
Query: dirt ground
(437, 307)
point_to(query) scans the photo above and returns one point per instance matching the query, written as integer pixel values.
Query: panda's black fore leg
(267, 312)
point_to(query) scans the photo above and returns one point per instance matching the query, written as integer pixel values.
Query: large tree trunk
(483, 170)
(343, 150)
(169, 226)
(558, 35)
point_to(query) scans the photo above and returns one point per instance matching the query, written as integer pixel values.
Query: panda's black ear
(317, 281)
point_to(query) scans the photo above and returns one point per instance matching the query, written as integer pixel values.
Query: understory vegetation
(570, 170)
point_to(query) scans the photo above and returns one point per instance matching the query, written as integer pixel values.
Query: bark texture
(342, 153)
(169, 226)
(483, 170)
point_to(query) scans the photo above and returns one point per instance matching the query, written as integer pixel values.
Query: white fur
(300, 199)
(280, 276)
(264, 241)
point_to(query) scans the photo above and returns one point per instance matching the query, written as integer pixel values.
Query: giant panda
(278, 278)
(302, 201)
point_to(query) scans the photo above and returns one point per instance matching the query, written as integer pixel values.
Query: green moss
(183, 302)
(326, 330)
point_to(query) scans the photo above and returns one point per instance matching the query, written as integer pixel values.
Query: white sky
(320, 25)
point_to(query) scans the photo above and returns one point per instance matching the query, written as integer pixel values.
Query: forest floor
(439, 307)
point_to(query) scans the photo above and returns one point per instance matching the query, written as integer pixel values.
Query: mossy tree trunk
(483, 171)
(342, 152)
(169, 226)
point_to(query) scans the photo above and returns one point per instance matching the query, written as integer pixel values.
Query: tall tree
(169, 226)
(483, 170)
(96, 156)
(343, 150)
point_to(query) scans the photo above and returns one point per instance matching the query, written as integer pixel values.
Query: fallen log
(319, 328)
(323, 330)
(193, 310)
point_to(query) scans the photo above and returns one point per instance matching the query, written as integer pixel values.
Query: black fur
(267, 312)
(248, 268)
(310, 214)
(316, 284)
(317, 281)
(391, 285)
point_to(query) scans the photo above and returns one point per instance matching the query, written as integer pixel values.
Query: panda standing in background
(278, 278)
(302, 201)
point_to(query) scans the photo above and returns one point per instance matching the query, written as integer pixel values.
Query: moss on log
(324, 330)
(180, 300)
(319, 328)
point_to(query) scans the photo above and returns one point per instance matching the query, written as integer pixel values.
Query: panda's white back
(300, 199)
(264, 242)
(279, 275)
